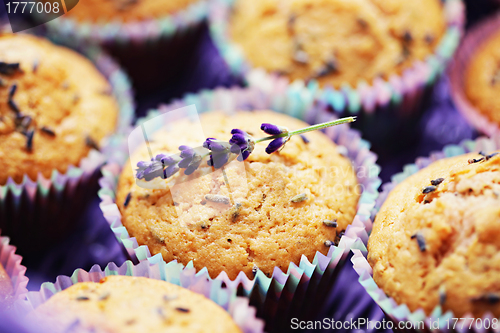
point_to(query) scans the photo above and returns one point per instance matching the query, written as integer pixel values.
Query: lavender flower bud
(153, 171)
(243, 141)
(275, 145)
(186, 151)
(195, 163)
(273, 129)
(159, 157)
(169, 160)
(170, 171)
(218, 160)
(215, 145)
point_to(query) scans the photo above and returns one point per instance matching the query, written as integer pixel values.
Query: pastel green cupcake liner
(11, 262)
(400, 314)
(186, 277)
(401, 92)
(302, 287)
(71, 32)
(36, 212)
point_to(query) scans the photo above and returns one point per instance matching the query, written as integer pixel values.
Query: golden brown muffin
(131, 304)
(442, 246)
(125, 10)
(336, 41)
(53, 108)
(6, 290)
(482, 79)
(264, 229)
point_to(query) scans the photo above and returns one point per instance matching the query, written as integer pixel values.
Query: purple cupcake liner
(400, 94)
(36, 213)
(186, 277)
(11, 262)
(303, 288)
(399, 314)
(472, 41)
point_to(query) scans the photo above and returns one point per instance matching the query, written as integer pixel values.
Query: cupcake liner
(154, 51)
(402, 90)
(36, 213)
(68, 30)
(11, 262)
(399, 314)
(457, 71)
(303, 287)
(387, 109)
(186, 277)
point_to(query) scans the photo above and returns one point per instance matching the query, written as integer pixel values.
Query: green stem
(310, 128)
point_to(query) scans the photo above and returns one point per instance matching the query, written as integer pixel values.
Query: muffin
(55, 108)
(479, 71)
(291, 203)
(435, 240)
(482, 78)
(6, 290)
(131, 304)
(125, 11)
(336, 41)
(152, 39)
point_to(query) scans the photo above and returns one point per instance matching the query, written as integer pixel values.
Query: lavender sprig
(220, 153)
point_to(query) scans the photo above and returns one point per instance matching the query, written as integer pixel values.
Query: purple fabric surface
(94, 243)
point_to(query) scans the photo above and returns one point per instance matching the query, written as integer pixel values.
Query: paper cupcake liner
(401, 91)
(399, 314)
(302, 288)
(67, 30)
(153, 51)
(11, 262)
(37, 212)
(186, 277)
(472, 41)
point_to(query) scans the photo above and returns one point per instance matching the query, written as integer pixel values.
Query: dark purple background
(94, 243)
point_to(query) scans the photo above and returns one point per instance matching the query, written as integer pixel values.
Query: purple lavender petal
(219, 160)
(170, 171)
(143, 164)
(238, 139)
(184, 163)
(159, 157)
(271, 129)
(208, 142)
(153, 171)
(275, 145)
(169, 160)
(192, 167)
(236, 149)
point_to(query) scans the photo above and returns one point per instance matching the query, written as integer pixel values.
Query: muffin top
(54, 107)
(274, 213)
(6, 290)
(440, 244)
(97, 11)
(131, 304)
(482, 78)
(336, 41)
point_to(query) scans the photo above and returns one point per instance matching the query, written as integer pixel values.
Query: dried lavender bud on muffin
(337, 41)
(291, 193)
(6, 290)
(482, 78)
(436, 239)
(131, 304)
(54, 107)
(97, 11)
